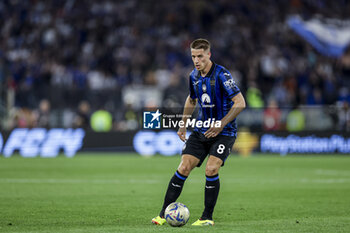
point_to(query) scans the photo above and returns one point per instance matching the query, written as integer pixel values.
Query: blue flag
(330, 37)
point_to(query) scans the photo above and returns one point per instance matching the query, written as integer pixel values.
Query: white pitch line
(74, 181)
(332, 172)
(154, 181)
(326, 181)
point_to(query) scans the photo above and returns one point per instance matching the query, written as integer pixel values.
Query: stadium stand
(71, 51)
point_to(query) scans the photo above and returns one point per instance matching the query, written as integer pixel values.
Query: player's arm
(190, 105)
(237, 108)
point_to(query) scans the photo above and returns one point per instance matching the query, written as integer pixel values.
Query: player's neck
(207, 69)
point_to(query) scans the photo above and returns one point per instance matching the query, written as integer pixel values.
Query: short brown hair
(200, 44)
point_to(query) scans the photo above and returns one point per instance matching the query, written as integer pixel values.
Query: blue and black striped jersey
(214, 93)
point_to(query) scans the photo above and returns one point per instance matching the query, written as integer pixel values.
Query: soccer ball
(177, 214)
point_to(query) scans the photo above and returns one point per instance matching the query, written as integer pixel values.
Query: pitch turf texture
(121, 193)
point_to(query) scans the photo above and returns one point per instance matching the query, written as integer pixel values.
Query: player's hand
(182, 134)
(213, 132)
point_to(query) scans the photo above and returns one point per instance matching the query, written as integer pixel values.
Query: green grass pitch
(109, 193)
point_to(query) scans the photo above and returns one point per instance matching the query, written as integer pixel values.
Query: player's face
(200, 58)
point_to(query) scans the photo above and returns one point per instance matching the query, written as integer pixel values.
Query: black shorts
(199, 146)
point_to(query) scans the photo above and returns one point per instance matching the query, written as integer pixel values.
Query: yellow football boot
(158, 220)
(200, 222)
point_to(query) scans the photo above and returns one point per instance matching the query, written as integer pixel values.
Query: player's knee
(185, 169)
(211, 170)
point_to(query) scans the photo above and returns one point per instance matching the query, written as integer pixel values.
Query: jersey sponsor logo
(229, 83)
(206, 101)
(205, 98)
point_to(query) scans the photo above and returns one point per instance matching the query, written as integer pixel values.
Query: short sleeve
(229, 84)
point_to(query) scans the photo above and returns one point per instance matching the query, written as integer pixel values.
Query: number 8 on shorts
(221, 149)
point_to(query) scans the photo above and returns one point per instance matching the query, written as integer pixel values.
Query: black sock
(174, 189)
(212, 187)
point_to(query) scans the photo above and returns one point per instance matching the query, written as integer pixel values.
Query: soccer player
(219, 98)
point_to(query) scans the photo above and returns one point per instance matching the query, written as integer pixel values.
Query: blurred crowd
(62, 60)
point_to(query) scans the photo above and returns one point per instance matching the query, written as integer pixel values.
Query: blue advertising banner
(51, 142)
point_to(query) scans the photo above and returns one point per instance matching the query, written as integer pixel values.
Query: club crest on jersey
(204, 87)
